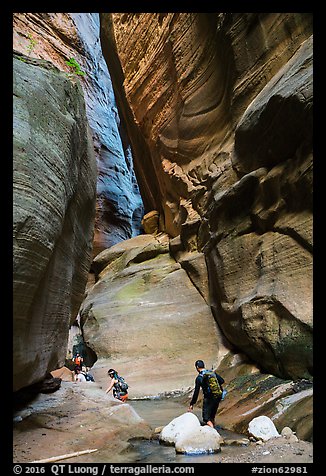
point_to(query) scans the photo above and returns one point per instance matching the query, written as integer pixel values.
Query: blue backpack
(122, 384)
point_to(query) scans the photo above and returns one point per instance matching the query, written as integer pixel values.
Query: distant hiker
(210, 382)
(89, 377)
(79, 376)
(78, 360)
(118, 386)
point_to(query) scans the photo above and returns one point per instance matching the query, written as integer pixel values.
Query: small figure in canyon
(78, 360)
(210, 382)
(79, 376)
(89, 377)
(118, 386)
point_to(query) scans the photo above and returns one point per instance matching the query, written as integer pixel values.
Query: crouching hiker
(118, 386)
(210, 382)
(79, 376)
(88, 376)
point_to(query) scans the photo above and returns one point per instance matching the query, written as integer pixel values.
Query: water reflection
(154, 452)
(160, 412)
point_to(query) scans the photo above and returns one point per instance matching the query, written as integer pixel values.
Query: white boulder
(202, 439)
(262, 428)
(180, 426)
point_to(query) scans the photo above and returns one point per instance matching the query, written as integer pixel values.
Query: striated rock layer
(57, 37)
(145, 318)
(54, 193)
(219, 111)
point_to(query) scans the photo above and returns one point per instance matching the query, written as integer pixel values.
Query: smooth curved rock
(262, 428)
(179, 427)
(57, 37)
(54, 178)
(187, 79)
(224, 102)
(145, 313)
(199, 441)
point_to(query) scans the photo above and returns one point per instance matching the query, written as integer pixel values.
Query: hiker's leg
(214, 411)
(206, 411)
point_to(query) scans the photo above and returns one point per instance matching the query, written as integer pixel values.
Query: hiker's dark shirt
(198, 384)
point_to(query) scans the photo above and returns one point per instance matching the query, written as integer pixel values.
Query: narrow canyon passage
(163, 174)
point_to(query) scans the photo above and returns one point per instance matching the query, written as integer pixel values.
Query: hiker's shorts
(210, 406)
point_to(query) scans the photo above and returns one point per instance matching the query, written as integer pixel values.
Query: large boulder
(179, 427)
(262, 428)
(189, 437)
(145, 317)
(201, 440)
(76, 418)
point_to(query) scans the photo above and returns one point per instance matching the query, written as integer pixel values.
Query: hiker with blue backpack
(118, 386)
(211, 384)
(82, 375)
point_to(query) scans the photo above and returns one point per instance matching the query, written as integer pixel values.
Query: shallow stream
(159, 413)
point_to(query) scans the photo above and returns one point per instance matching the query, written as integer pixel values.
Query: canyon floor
(79, 417)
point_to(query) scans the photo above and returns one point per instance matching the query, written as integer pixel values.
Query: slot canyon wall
(58, 37)
(54, 193)
(223, 102)
(213, 113)
(44, 153)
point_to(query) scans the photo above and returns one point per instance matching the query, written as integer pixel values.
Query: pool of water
(159, 413)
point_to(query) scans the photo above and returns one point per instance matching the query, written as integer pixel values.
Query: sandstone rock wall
(57, 37)
(146, 318)
(223, 105)
(264, 223)
(54, 193)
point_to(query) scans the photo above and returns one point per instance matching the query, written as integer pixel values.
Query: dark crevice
(143, 165)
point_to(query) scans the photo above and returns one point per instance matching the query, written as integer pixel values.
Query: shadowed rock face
(259, 244)
(57, 37)
(54, 180)
(224, 105)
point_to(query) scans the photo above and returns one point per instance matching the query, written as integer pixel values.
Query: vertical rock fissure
(149, 191)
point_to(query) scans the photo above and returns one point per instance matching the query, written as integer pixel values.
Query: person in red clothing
(78, 360)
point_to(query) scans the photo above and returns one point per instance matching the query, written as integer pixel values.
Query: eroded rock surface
(259, 244)
(54, 193)
(77, 417)
(252, 393)
(224, 104)
(145, 316)
(58, 37)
